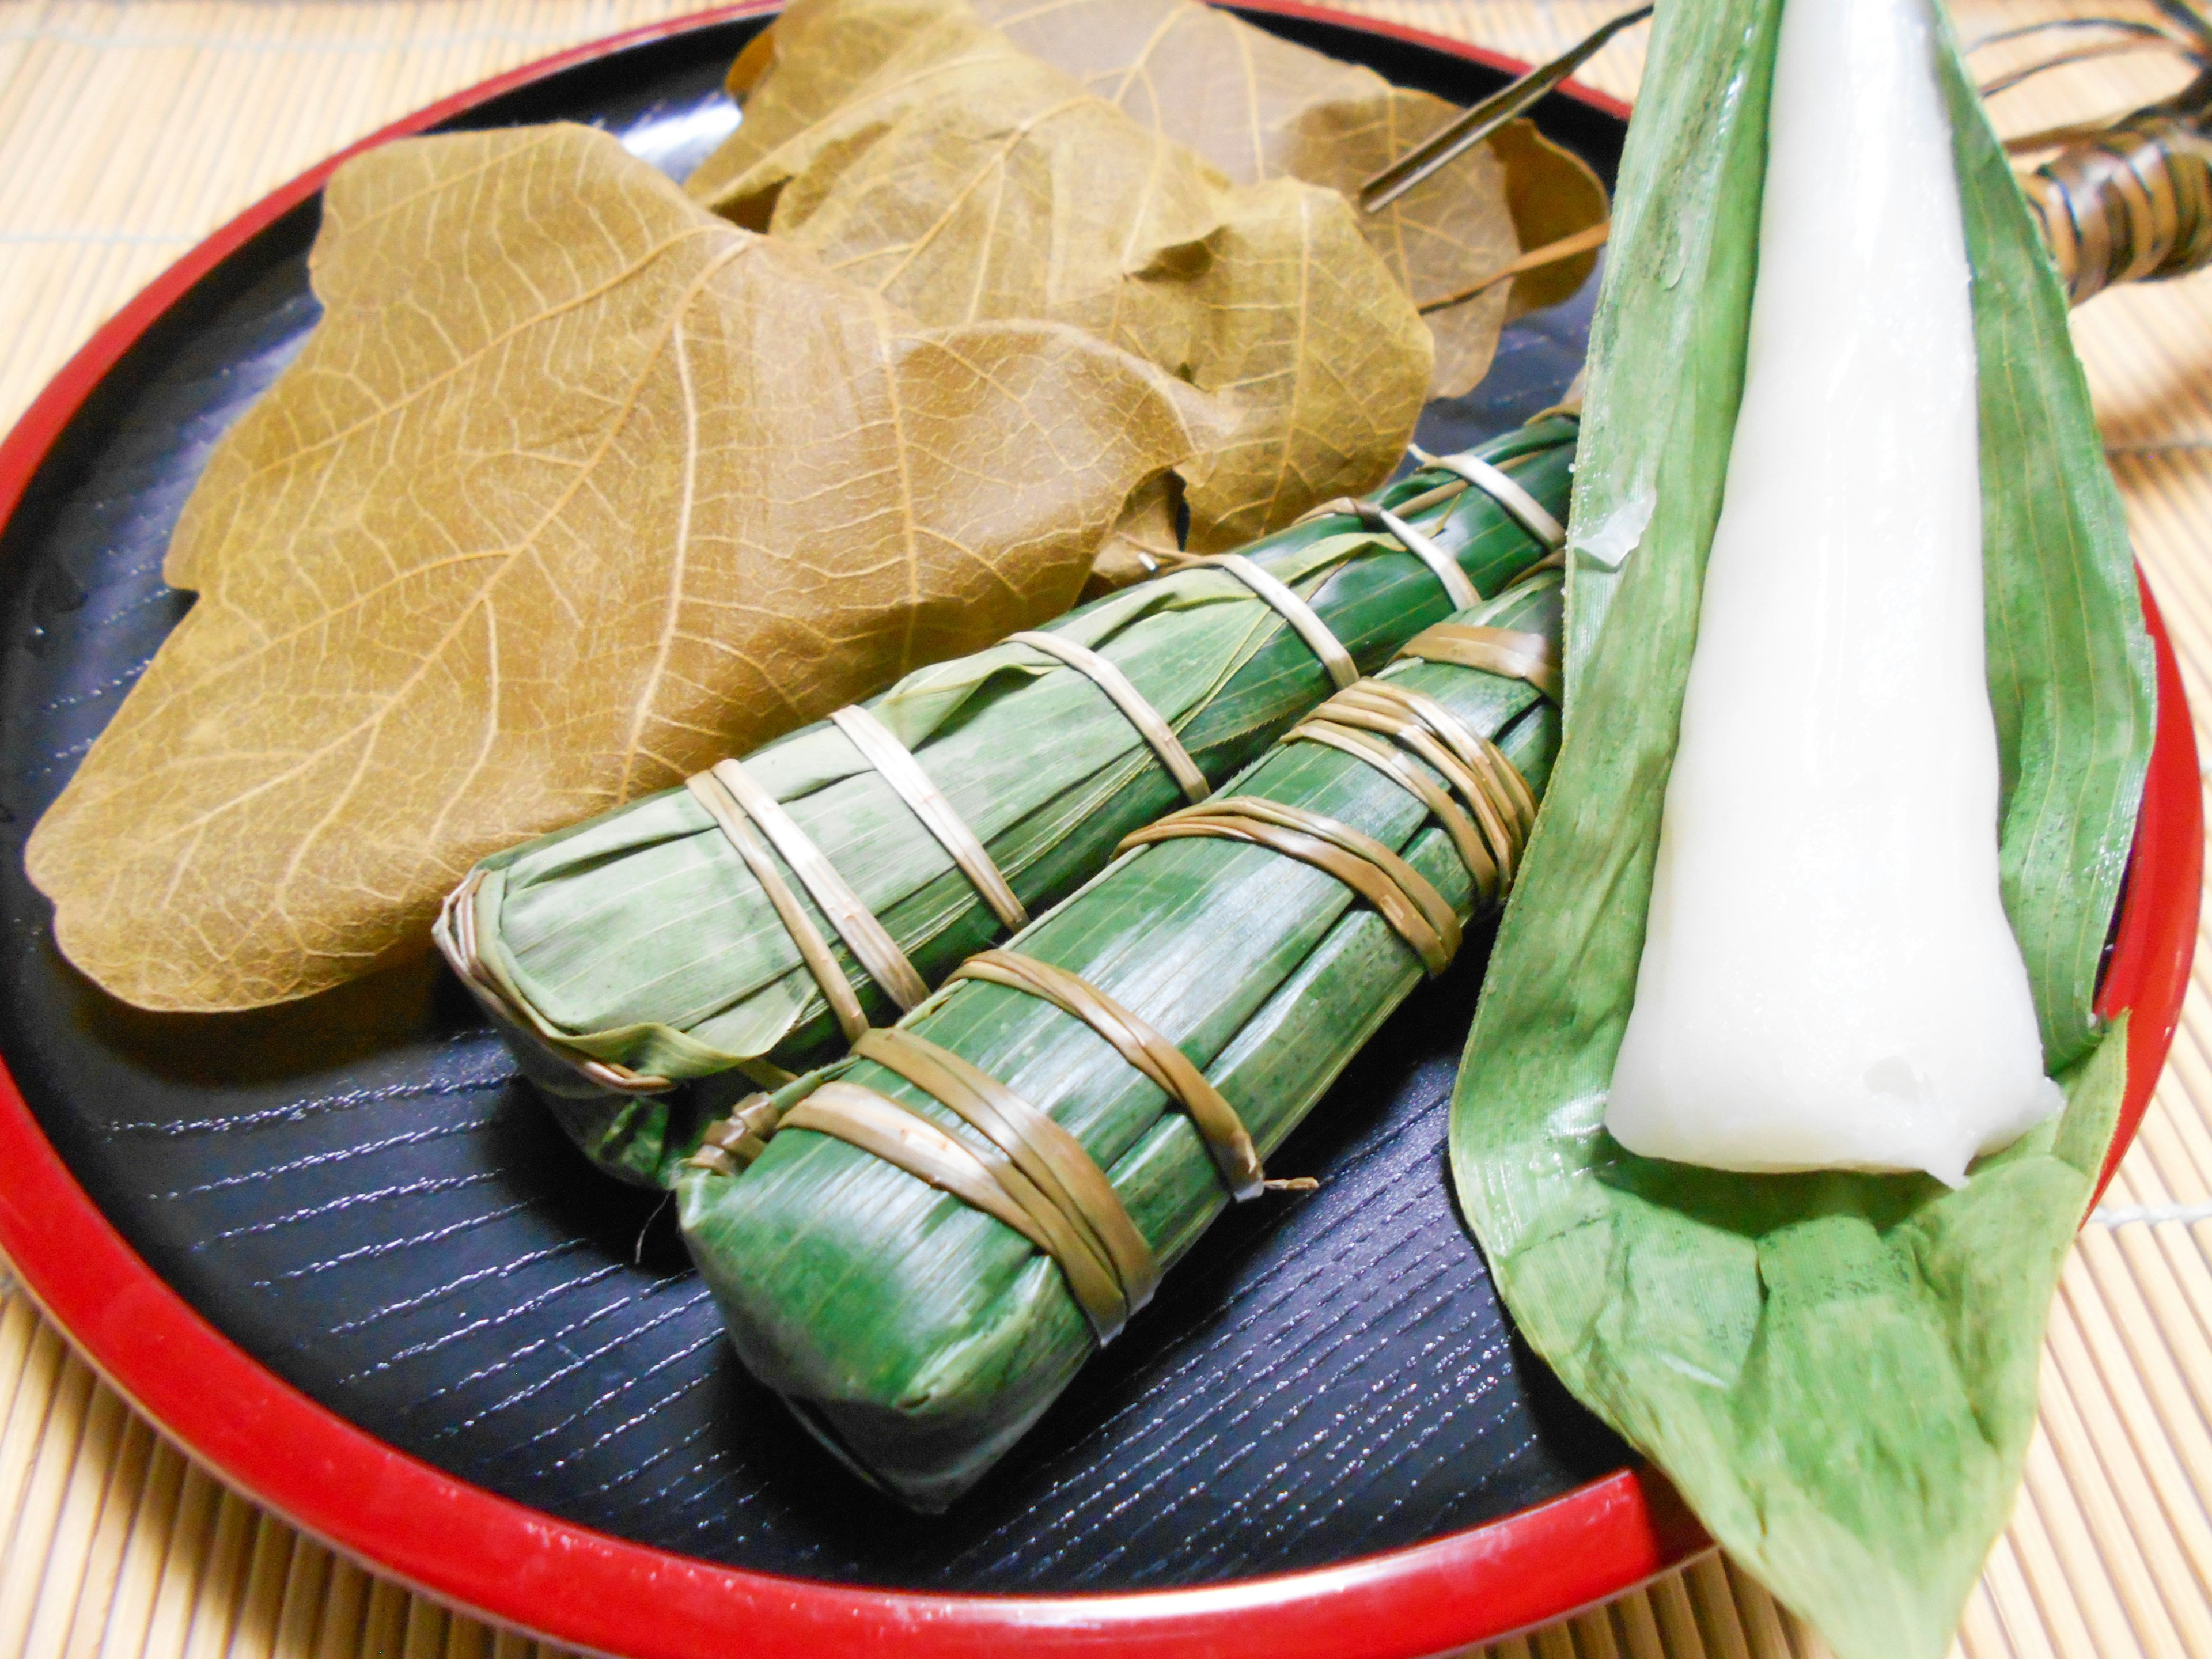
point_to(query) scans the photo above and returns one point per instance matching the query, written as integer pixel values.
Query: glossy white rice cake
(1828, 978)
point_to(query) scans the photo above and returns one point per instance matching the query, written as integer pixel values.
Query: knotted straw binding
(1525, 508)
(1134, 708)
(731, 1143)
(1036, 1176)
(1168, 1067)
(1295, 611)
(1404, 898)
(870, 943)
(1500, 651)
(899, 769)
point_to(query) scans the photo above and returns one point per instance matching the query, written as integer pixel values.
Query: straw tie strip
(1383, 522)
(899, 769)
(1125, 696)
(711, 794)
(1052, 1158)
(1404, 898)
(1473, 749)
(1487, 783)
(881, 1126)
(1294, 611)
(1502, 650)
(1166, 1065)
(867, 938)
(1525, 509)
(1036, 1176)
(813, 949)
(1482, 862)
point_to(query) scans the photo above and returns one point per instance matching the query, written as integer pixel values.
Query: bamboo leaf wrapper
(641, 941)
(1838, 1370)
(919, 1336)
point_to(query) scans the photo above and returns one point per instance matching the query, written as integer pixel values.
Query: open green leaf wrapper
(1838, 1370)
(640, 939)
(920, 1338)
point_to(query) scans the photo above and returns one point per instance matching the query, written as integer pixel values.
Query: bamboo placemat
(129, 131)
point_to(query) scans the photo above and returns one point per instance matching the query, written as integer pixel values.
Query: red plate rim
(523, 1568)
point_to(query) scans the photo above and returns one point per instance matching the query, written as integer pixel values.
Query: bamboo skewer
(1463, 132)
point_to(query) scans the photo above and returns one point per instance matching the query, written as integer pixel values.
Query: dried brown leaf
(1259, 106)
(1553, 195)
(922, 154)
(575, 488)
(1143, 544)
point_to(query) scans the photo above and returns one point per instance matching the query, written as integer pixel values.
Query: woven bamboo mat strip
(129, 131)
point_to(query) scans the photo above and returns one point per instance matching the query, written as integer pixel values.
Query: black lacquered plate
(360, 1198)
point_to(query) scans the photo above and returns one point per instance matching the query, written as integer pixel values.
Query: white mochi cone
(1828, 978)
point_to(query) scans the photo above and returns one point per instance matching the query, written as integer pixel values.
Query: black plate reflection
(355, 1191)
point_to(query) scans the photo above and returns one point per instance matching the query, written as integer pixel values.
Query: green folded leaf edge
(1837, 1370)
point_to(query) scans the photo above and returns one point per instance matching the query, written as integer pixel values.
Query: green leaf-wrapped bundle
(1838, 1370)
(940, 1229)
(640, 949)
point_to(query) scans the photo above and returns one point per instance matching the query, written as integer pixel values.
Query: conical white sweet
(1828, 978)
